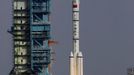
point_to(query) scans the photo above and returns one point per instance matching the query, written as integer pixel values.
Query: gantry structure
(31, 37)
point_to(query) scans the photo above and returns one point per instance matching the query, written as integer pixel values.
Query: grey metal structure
(31, 37)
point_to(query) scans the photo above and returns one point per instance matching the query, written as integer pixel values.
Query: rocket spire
(76, 58)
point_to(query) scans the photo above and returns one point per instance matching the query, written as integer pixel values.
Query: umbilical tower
(31, 37)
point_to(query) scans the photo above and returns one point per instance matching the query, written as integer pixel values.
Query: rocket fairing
(76, 57)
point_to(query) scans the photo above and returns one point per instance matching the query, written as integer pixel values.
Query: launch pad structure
(31, 37)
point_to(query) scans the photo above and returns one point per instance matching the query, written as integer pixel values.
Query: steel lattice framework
(31, 34)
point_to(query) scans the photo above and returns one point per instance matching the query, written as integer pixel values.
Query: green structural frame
(40, 36)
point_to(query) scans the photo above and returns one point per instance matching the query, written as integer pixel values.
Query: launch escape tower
(31, 37)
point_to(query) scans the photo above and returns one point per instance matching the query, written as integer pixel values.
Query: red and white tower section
(76, 58)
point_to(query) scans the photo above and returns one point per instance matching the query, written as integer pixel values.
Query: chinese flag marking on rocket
(74, 5)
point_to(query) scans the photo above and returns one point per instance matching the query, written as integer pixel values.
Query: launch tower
(31, 35)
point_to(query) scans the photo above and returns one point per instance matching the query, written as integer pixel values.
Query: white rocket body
(76, 58)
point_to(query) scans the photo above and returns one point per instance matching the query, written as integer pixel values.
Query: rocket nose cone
(76, 1)
(80, 54)
(71, 54)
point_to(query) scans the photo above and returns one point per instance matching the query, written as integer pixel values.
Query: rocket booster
(76, 58)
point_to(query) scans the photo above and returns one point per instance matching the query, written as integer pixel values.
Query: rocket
(76, 57)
